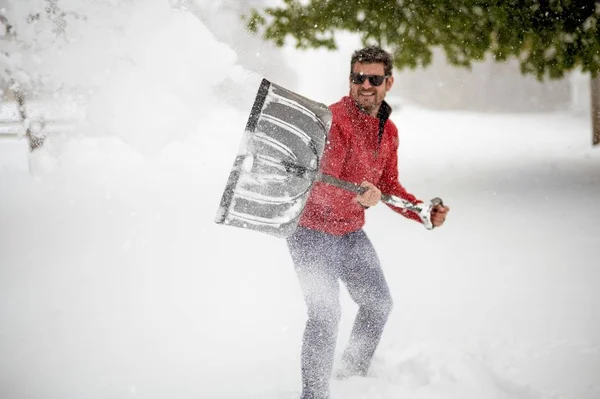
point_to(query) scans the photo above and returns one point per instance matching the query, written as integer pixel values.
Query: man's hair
(373, 55)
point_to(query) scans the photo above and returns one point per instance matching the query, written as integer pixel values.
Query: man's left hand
(438, 215)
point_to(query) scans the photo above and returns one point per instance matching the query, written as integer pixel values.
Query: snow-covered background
(116, 283)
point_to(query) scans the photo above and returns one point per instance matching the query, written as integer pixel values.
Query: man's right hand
(370, 197)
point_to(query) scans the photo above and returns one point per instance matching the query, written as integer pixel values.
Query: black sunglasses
(374, 80)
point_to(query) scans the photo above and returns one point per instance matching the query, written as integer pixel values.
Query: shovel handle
(437, 201)
(421, 209)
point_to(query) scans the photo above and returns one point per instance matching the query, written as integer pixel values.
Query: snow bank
(142, 71)
(427, 371)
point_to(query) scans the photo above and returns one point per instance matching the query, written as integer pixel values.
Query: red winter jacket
(353, 153)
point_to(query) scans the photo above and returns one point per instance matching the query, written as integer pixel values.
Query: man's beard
(367, 108)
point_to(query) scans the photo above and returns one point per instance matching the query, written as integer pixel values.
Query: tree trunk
(595, 108)
(34, 141)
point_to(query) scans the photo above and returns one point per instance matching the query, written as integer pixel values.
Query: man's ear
(389, 83)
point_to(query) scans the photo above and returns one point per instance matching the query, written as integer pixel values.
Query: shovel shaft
(421, 209)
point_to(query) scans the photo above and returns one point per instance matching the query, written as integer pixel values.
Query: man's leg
(362, 274)
(314, 255)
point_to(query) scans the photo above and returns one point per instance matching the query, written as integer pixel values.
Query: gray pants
(320, 260)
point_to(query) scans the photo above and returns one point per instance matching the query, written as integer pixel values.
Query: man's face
(367, 96)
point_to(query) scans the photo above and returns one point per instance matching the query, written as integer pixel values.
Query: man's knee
(386, 305)
(325, 314)
(381, 306)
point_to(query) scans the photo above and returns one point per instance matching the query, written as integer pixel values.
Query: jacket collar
(384, 112)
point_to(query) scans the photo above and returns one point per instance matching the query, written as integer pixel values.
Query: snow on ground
(115, 282)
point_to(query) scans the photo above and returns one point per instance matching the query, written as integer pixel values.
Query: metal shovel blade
(277, 163)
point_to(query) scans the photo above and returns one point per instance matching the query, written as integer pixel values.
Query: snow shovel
(279, 161)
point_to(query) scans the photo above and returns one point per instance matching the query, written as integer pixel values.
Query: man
(330, 244)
